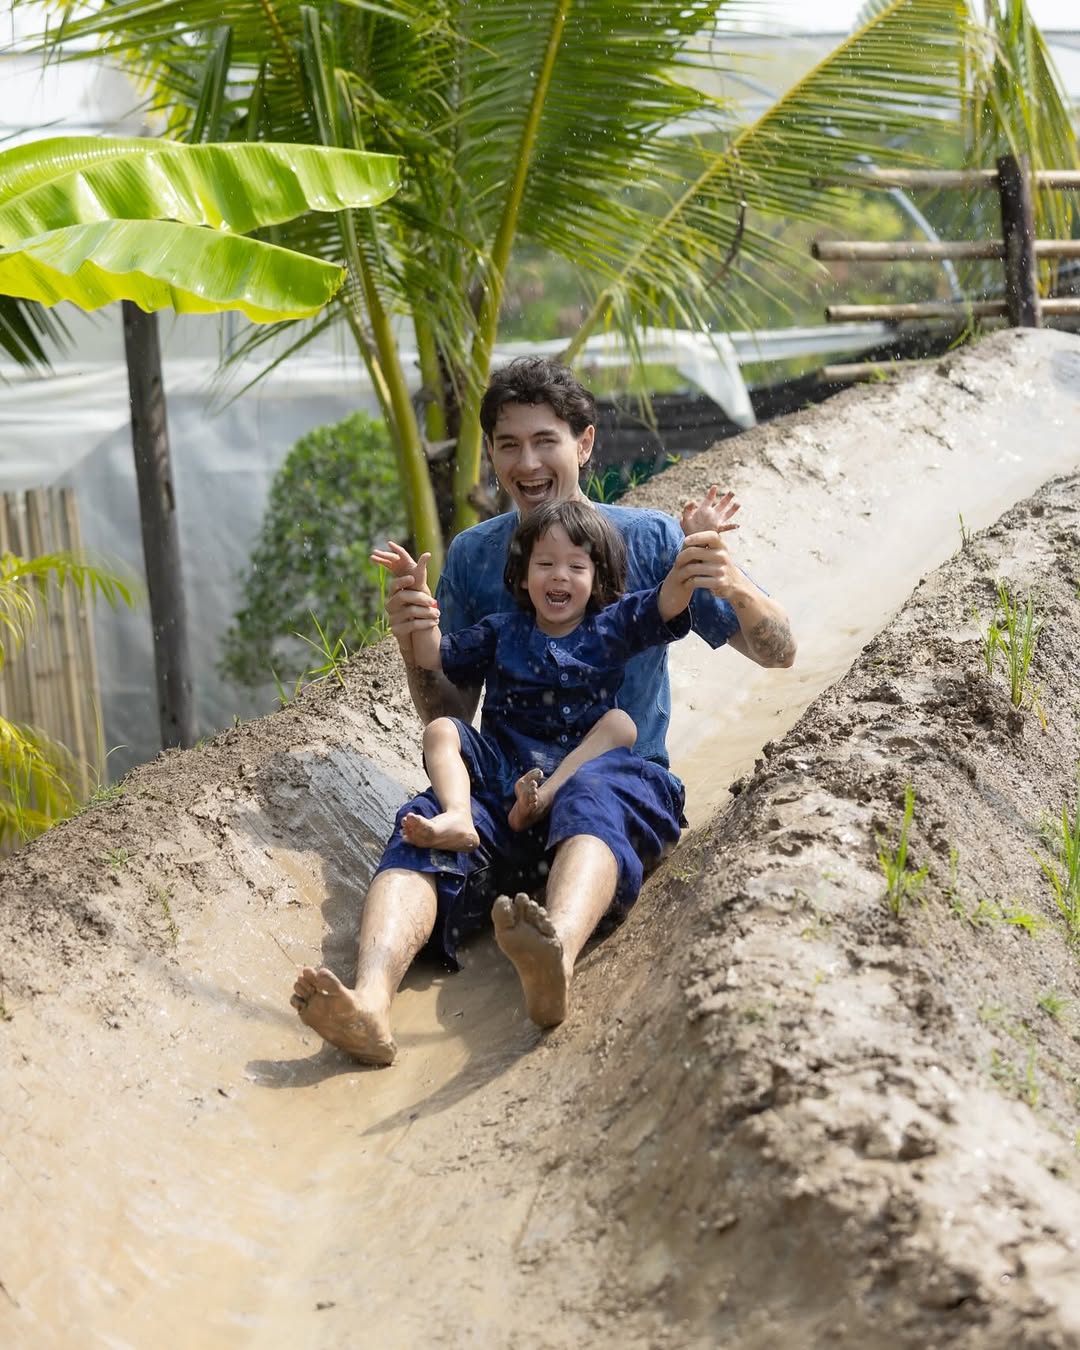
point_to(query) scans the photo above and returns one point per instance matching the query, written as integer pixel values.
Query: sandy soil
(778, 1113)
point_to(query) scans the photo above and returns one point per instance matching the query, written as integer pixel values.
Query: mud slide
(778, 1113)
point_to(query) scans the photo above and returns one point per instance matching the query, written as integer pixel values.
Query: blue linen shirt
(471, 588)
(542, 694)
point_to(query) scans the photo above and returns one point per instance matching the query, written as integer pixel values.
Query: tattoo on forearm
(771, 639)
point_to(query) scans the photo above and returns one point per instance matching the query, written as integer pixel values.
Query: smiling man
(607, 824)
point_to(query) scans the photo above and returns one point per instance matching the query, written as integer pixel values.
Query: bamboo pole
(921, 250)
(930, 309)
(25, 695)
(869, 370)
(87, 658)
(5, 674)
(70, 666)
(970, 180)
(45, 668)
(51, 683)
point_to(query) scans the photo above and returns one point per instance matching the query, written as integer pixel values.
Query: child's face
(559, 582)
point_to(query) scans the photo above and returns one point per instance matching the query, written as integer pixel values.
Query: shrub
(334, 498)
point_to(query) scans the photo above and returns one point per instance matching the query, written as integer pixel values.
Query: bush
(334, 498)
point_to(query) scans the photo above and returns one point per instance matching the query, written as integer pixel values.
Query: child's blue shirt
(471, 589)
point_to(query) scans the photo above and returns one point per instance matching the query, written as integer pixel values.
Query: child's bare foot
(530, 805)
(453, 830)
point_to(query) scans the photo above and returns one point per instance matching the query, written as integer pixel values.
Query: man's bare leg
(613, 731)
(544, 942)
(397, 919)
(453, 828)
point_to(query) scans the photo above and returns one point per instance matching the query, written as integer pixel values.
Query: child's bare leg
(534, 794)
(453, 828)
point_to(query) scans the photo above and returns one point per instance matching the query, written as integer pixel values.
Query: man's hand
(703, 563)
(713, 512)
(410, 606)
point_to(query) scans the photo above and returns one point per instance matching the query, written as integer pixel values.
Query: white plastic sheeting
(73, 427)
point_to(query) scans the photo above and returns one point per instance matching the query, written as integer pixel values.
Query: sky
(827, 16)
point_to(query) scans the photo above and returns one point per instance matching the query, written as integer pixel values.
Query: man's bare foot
(526, 935)
(530, 806)
(453, 830)
(326, 1006)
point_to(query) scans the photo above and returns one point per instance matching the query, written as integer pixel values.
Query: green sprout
(902, 884)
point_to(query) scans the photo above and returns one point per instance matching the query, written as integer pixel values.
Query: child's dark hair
(587, 528)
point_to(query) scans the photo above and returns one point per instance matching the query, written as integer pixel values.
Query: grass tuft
(1052, 1003)
(1014, 631)
(902, 883)
(1062, 869)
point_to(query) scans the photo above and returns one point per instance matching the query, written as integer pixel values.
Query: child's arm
(421, 646)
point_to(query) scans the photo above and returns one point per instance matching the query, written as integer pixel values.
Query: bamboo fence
(51, 683)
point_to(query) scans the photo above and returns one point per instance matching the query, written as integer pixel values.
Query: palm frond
(869, 98)
(27, 332)
(1016, 103)
(24, 582)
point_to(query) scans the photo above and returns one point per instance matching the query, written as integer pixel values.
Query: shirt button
(565, 713)
(562, 738)
(551, 646)
(564, 677)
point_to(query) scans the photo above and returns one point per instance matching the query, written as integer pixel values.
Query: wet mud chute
(778, 1113)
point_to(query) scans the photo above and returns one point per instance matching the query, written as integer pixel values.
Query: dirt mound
(779, 1113)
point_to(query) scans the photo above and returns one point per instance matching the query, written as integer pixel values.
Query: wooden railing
(51, 683)
(1018, 249)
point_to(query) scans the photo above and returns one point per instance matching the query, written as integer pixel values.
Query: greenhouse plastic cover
(72, 427)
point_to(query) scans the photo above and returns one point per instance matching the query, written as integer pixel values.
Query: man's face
(535, 455)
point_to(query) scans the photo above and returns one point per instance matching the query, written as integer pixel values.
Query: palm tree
(585, 130)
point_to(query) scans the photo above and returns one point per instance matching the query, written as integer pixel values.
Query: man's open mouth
(534, 489)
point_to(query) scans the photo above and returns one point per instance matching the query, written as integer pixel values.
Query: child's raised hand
(713, 512)
(399, 562)
(410, 606)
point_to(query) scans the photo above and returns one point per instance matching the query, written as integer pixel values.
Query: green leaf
(160, 265)
(50, 184)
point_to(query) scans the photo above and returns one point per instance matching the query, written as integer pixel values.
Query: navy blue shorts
(633, 805)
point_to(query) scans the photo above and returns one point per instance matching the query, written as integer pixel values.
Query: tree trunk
(160, 536)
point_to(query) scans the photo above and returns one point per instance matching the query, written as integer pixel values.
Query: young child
(551, 670)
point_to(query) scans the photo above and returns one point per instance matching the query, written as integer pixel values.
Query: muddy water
(205, 1175)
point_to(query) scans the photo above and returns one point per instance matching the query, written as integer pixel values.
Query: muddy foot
(530, 806)
(453, 830)
(326, 1006)
(525, 934)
